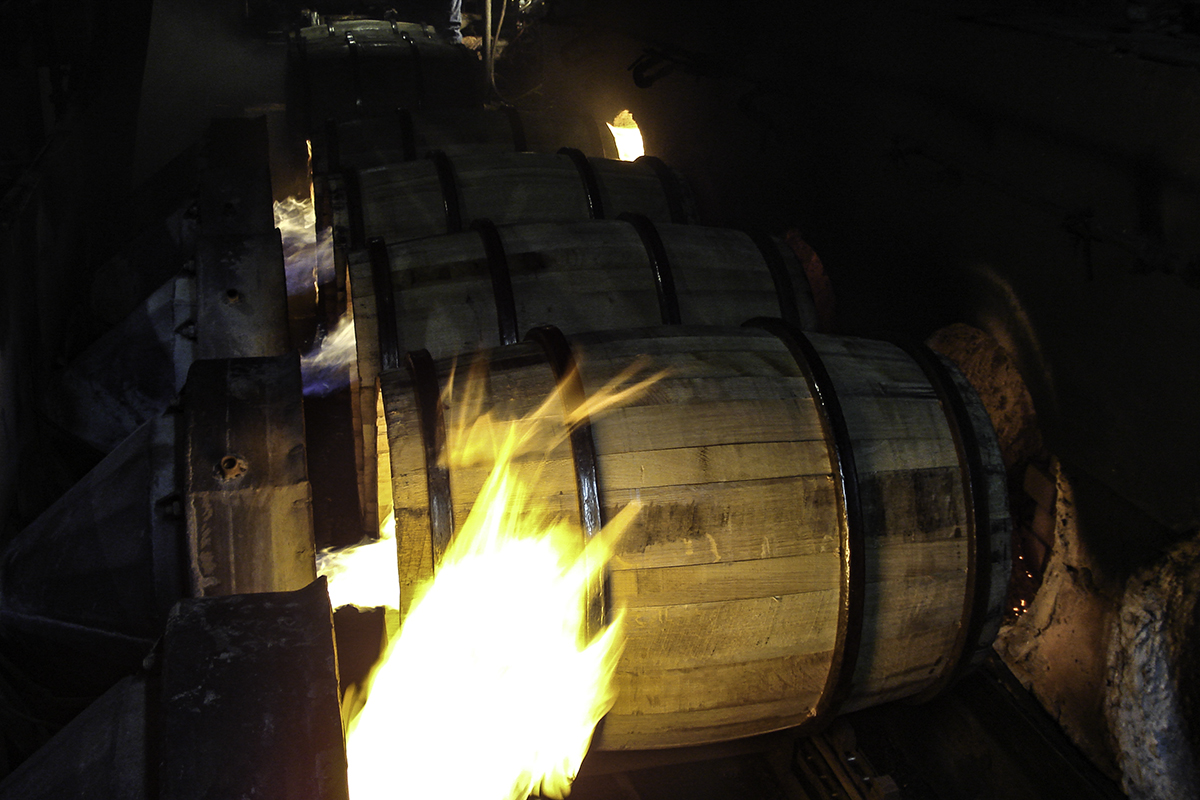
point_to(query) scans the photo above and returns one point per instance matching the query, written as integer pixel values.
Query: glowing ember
(627, 136)
(489, 690)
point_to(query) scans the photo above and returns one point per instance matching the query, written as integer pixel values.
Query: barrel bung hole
(231, 467)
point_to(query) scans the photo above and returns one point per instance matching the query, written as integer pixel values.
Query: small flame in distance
(489, 690)
(627, 137)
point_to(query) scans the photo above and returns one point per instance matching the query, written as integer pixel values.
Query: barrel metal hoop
(408, 134)
(970, 460)
(385, 305)
(451, 201)
(520, 142)
(851, 609)
(660, 265)
(354, 208)
(669, 181)
(502, 290)
(432, 423)
(780, 276)
(418, 67)
(583, 452)
(591, 186)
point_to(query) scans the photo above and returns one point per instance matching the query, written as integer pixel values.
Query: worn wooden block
(248, 501)
(250, 699)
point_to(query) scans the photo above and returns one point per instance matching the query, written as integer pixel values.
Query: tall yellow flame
(489, 690)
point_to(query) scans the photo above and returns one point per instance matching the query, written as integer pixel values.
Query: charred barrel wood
(758, 593)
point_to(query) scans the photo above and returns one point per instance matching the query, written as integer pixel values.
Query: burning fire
(490, 689)
(627, 137)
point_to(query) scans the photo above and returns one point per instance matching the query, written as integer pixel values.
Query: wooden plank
(649, 691)
(410, 494)
(510, 188)
(248, 500)
(604, 361)
(698, 634)
(916, 504)
(577, 245)
(887, 671)
(892, 455)
(909, 559)
(681, 340)
(906, 606)
(363, 375)
(703, 465)
(635, 429)
(630, 187)
(402, 201)
(895, 418)
(651, 731)
(680, 525)
(725, 580)
(693, 393)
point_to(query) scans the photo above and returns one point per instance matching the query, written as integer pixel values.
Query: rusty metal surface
(248, 503)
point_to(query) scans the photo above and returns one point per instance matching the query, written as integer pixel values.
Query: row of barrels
(824, 521)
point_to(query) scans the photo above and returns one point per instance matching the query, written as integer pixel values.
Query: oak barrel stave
(729, 576)
(405, 201)
(580, 276)
(407, 134)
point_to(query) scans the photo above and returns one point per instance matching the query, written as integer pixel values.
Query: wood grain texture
(729, 576)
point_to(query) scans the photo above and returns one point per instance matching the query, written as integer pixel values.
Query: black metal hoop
(848, 640)
(660, 265)
(502, 290)
(591, 186)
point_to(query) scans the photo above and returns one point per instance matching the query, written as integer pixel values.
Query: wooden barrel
(824, 522)
(360, 68)
(439, 194)
(405, 135)
(459, 293)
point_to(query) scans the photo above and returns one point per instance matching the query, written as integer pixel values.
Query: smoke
(326, 367)
(307, 253)
(308, 264)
